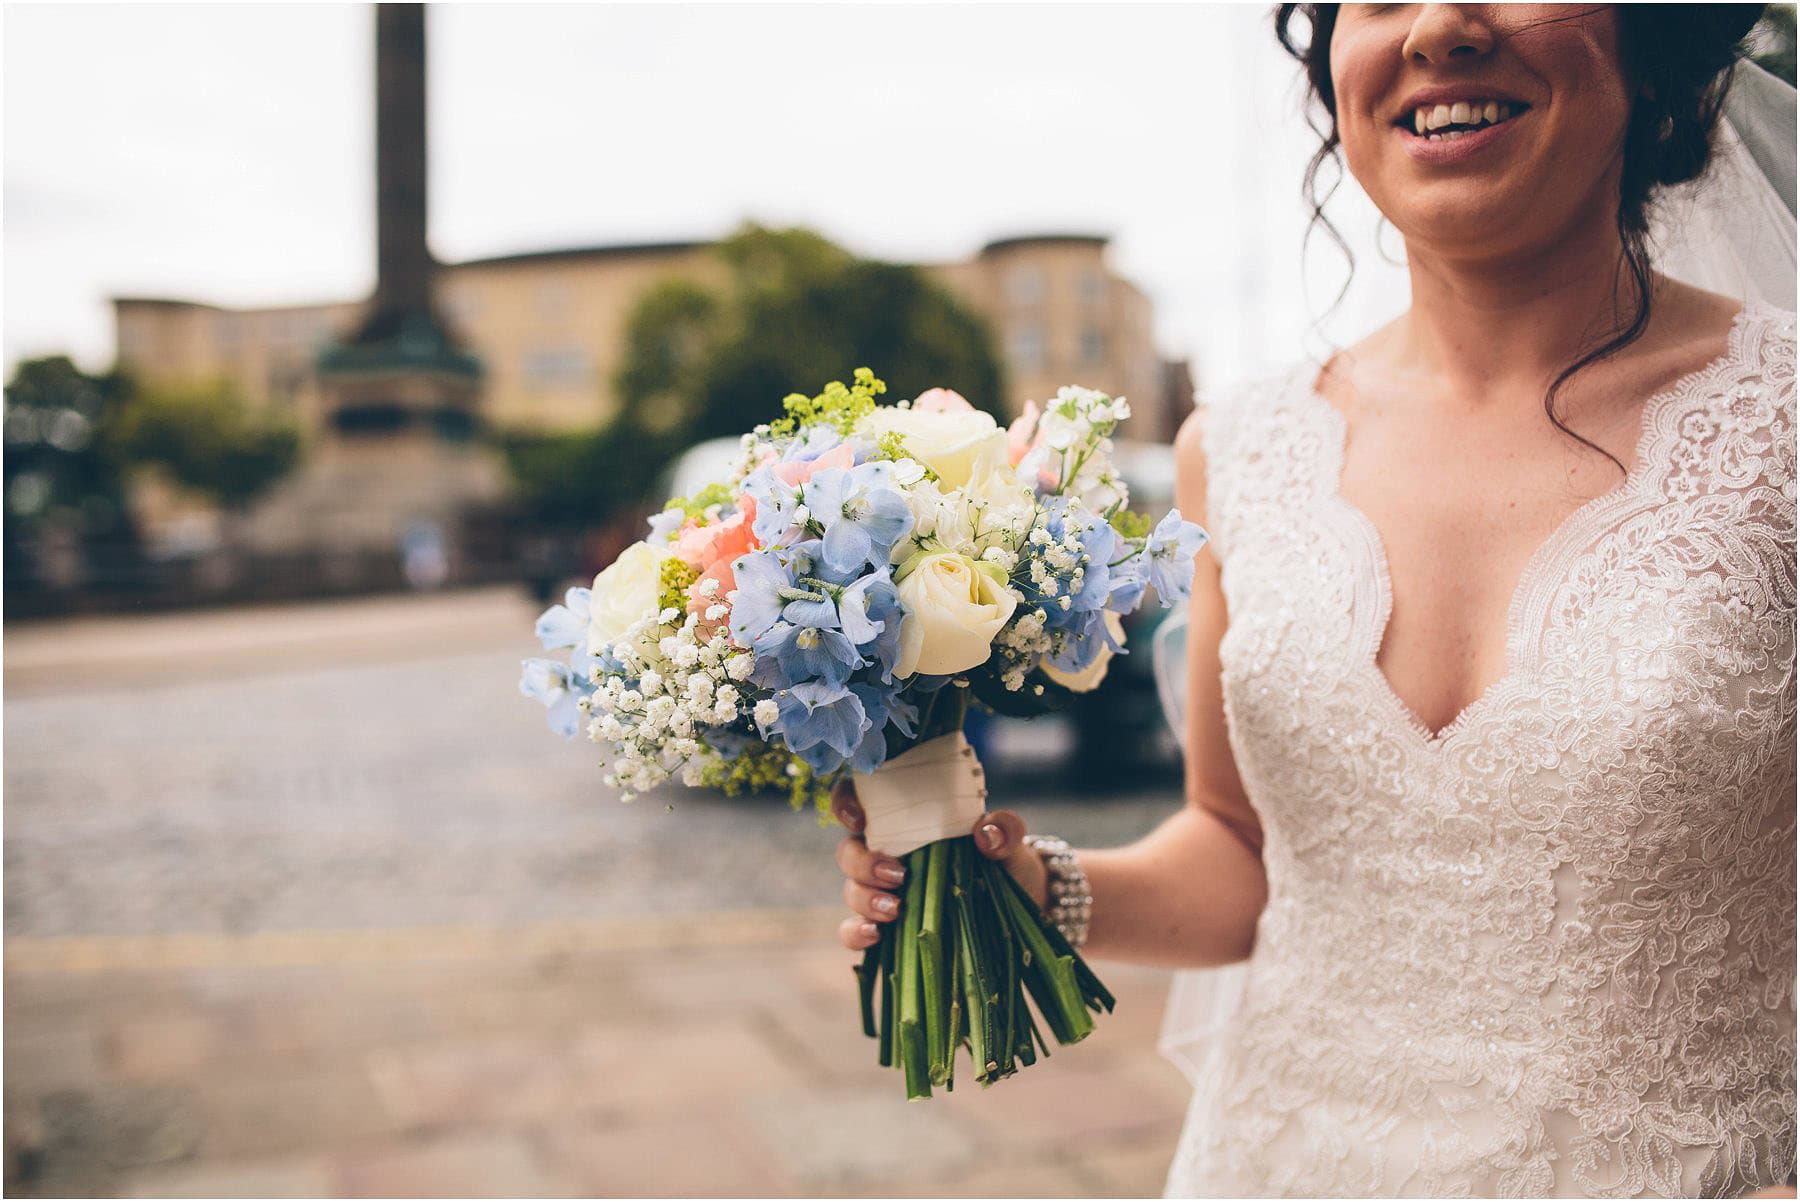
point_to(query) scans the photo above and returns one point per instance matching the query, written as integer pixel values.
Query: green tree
(60, 477)
(796, 311)
(582, 479)
(208, 439)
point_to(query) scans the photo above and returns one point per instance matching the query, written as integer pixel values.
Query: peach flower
(797, 473)
(712, 550)
(940, 400)
(1021, 436)
(699, 546)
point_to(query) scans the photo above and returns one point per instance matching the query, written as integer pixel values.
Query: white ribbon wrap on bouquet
(930, 792)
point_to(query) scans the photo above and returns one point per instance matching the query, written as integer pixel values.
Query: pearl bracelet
(1070, 905)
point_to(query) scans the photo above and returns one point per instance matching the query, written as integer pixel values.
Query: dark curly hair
(1677, 56)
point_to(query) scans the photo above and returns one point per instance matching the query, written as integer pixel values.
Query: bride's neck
(1490, 326)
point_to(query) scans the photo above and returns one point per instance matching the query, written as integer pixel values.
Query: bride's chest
(1651, 631)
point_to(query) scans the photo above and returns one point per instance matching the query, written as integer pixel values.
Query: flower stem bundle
(954, 970)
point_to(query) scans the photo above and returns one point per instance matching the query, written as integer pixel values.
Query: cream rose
(625, 593)
(1089, 678)
(949, 442)
(953, 611)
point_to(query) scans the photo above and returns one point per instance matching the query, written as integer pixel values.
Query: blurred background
(337, 343)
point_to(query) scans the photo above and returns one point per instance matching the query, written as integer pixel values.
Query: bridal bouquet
(829, 610)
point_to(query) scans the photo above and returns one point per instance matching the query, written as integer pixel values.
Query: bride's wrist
(1065, 899)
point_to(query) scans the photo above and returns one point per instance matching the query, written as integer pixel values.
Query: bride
(1490, 708)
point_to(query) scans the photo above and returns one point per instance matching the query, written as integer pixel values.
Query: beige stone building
(549, 329)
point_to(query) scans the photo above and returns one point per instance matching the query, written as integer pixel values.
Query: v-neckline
(1550, 549)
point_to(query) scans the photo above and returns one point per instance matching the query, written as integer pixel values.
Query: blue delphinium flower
(818, 440)
(664, 525)
(788, 655)
(884, 708)
(869, 612)
(565, 625)
(549, 682)
(1082, 641)
(821, 723)
(762, 577)
(1100, 545)
(1125, 585)
(776, 500)
(862, 512)
(1169, 557)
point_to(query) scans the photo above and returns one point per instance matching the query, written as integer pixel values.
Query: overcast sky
(223, 153)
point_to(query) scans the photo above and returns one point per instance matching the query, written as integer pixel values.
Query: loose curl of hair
(1677, 58)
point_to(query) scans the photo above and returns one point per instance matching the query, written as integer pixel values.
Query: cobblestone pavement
(307, 900)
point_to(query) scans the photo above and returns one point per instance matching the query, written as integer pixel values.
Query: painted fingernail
(893, 874)
(886, 903)
(852, 821)
(990, 837)
(867, 931)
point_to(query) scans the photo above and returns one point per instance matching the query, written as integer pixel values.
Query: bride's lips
(1447, 151)
(1453, 108)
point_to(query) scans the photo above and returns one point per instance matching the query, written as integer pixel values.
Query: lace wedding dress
(1548, 950)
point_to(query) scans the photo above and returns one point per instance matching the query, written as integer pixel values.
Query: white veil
(1732, 232)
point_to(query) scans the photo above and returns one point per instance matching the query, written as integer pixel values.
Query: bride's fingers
(865, 867)
(999, 834)
(844, 807)
(877, 905)
(858, 934)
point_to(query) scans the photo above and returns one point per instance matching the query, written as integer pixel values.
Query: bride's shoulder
(1230, 403)
(1768, 331)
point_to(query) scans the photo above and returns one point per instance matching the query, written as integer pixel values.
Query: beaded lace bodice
(1550, 949)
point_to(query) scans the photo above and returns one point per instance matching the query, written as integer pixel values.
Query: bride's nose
(1445, 33)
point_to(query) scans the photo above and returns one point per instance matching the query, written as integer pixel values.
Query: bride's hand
(872, 882)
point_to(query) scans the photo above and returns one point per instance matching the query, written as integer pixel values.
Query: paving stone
(706, 1151)
(836, 1142)
(115, 1128)
(660, 1065)
(1062, 1100)
(505, 1079)
(999, 1175)
(41, 1057)
(256, 1114)
(292, 1178)
(160, 1046)
(1130, 1169)
(485, 1164)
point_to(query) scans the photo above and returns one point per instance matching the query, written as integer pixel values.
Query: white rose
(625, 593)
(947, 443)
(953, 611)
(1089, 678)
(1005, 498)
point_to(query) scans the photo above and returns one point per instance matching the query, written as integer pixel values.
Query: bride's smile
(1508, 114)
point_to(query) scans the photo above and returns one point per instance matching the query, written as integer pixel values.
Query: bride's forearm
(1187, 895)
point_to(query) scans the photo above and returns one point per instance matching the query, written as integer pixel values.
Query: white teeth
(1427, 119)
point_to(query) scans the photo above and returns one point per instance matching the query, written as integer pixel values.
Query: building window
(1025, 347)
(1093, 346)
(562, 367)
(1025, 284)
(1092, 287)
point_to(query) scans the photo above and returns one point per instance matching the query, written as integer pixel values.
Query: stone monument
(397, 463)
